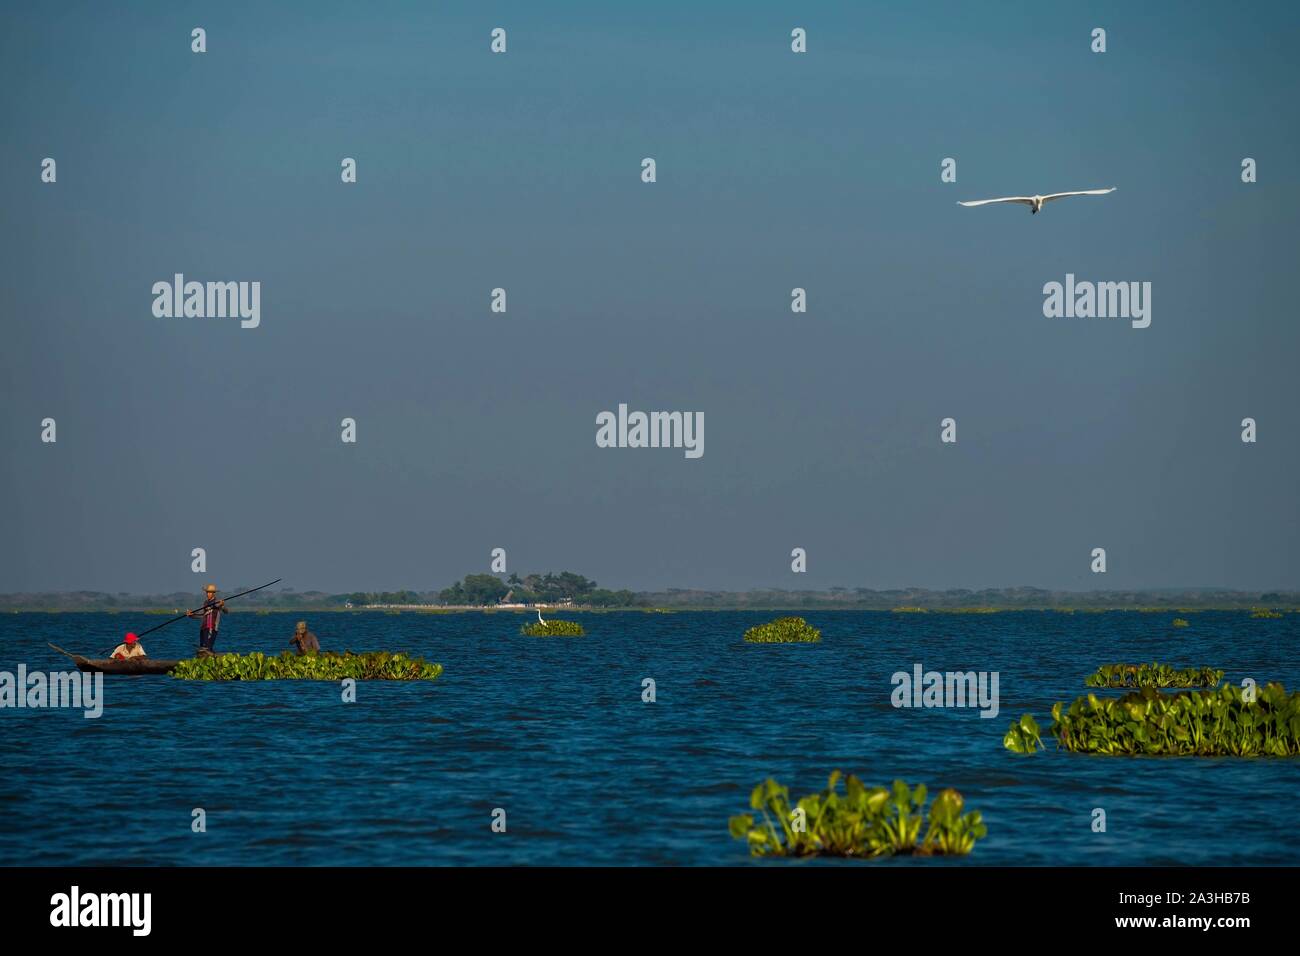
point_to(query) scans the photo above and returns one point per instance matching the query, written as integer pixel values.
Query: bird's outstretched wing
(1081, 192)
(1023, 200)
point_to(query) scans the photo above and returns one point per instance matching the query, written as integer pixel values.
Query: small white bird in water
(539, 615)
(1035, 203)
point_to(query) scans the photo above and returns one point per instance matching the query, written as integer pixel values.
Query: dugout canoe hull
(136, 665)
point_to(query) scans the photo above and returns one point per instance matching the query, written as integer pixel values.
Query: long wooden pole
(203, 607)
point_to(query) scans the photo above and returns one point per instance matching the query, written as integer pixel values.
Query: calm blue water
(555, 732)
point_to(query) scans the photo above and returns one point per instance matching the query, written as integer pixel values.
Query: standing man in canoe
(128, 649)
(211, 612)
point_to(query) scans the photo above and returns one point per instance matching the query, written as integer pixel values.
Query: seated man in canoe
(129, 648)
(304, 639)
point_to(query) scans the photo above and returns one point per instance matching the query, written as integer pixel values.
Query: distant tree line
(358, 598)
(549, 588)
(553, 588)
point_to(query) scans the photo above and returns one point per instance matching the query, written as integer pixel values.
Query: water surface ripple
(555, 732)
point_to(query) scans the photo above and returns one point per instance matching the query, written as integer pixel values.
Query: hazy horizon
(775, 170)
(240, 585)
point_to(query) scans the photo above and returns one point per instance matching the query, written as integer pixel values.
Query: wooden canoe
(136, 665)
(107, 665)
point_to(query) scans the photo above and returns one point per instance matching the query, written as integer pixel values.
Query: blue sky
(775, 170)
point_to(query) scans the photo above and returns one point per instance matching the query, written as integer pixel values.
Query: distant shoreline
(773, 608)
(577, 594)
(569, 591)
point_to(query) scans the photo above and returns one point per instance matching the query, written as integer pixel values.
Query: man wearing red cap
(128, 649)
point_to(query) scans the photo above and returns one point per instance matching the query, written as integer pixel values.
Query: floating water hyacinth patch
(1204, 723)
(1153, 675)
(784, 630)
(553, 628)
(1180, 622)
(327, 666)
(862, 822)
(1263, 612)
(1024, 736)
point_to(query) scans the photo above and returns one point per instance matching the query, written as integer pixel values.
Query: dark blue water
(554, 731)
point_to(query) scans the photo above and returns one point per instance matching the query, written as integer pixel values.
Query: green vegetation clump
(909, 609)
(1153, 675)
(1024, 736)
(378, 665)
(784, 630)
(861, 822)
(554, 628)
(1264, 612)
(1204, 723)
(1180, 622)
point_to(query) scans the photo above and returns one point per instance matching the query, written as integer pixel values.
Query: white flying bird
(1035, 203)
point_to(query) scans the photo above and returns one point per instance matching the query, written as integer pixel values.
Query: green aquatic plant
(330, 666)
(1223, 722)
(784, 630)
(1024, 736)
(553, 628)
(1180, 622)
(1153, 675)
(861, 822)
(1264, 612)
